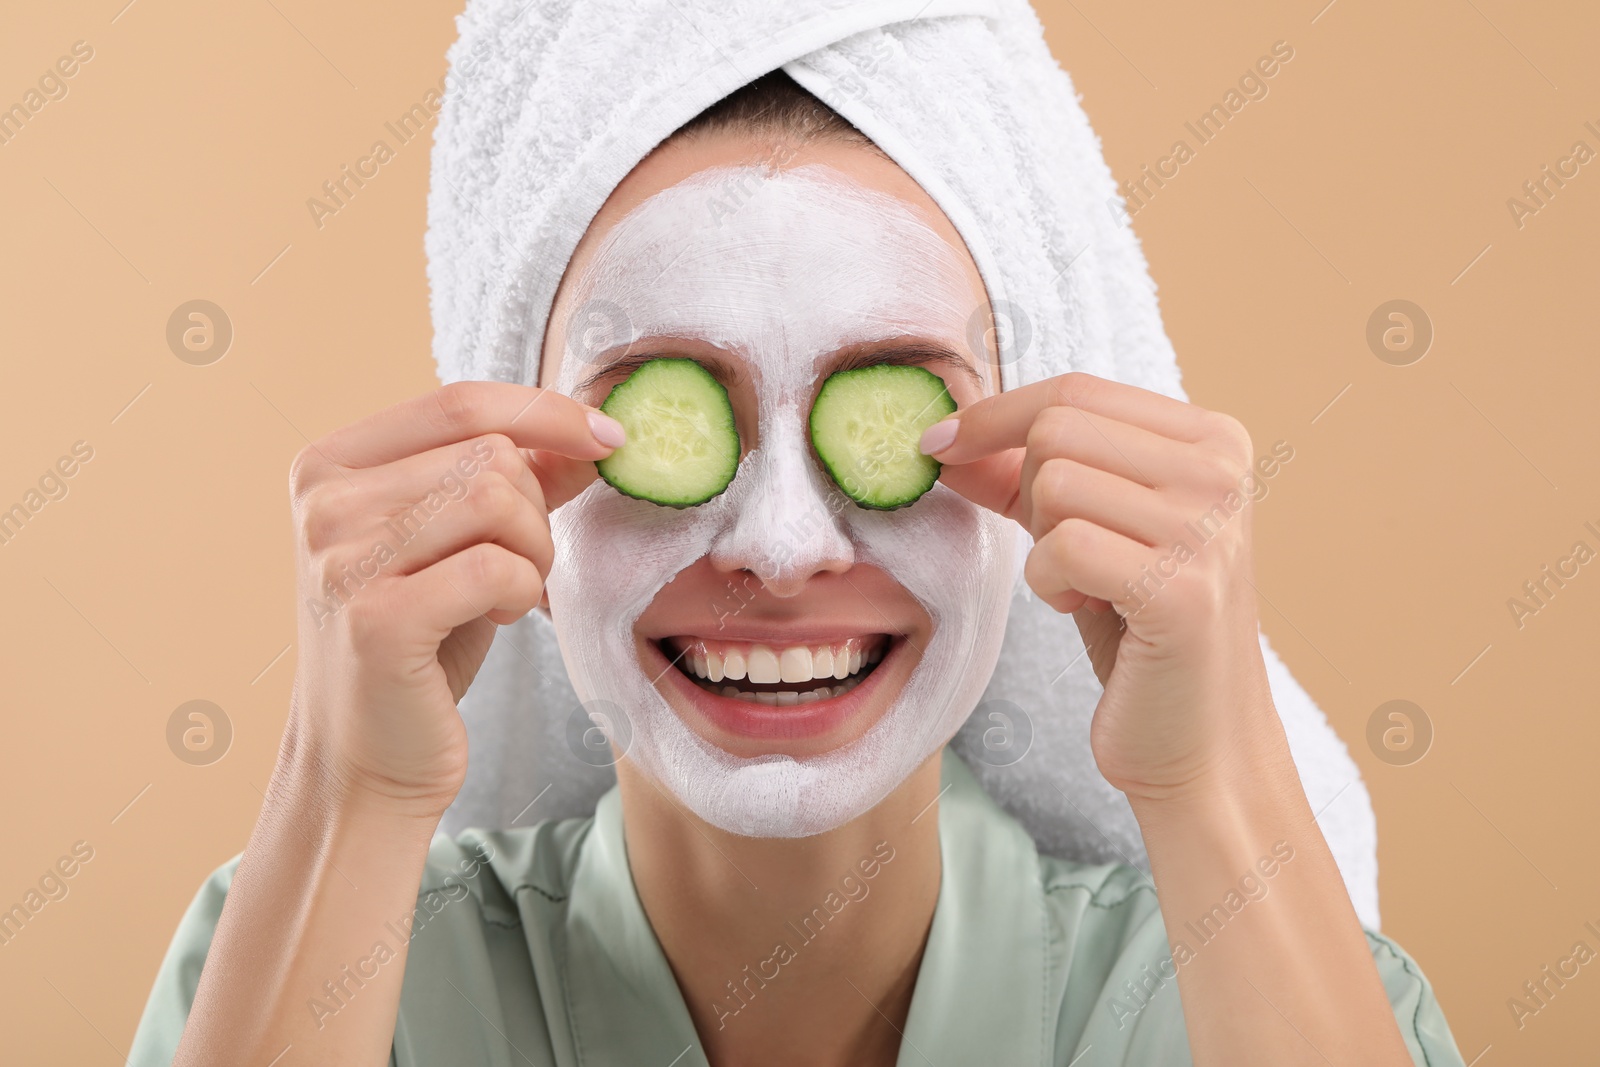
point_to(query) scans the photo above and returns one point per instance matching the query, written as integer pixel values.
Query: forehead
(790, 263)
(801, 262)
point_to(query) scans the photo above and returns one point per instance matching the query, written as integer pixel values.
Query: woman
(794, 870)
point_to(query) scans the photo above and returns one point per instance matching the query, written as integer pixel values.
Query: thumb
(561, 477)
(993, 482)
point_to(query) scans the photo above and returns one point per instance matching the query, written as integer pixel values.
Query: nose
(787, 525)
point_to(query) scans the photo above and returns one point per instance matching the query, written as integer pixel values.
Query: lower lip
(748, 719)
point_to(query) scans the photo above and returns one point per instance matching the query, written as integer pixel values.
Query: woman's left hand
(1139, 507)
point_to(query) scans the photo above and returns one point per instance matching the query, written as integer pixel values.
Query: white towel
(550, 103)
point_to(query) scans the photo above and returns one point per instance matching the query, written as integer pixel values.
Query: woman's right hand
(418, 530)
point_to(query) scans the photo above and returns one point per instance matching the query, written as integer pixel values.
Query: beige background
(1419, 499)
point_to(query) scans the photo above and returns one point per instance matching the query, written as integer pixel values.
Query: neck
(790, 952)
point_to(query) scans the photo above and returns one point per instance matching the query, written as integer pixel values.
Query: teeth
(763, 665)
(795, 665)
(788, 697)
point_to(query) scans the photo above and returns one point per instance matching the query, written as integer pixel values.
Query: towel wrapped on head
(549, 105)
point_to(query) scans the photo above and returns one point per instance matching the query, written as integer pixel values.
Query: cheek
(954, 557)
(612, 554)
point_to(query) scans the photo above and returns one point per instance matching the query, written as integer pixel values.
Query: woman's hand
(1139, 503)
(418, 530)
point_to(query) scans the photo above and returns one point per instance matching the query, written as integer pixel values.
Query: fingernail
(606, 430)
(939, 436)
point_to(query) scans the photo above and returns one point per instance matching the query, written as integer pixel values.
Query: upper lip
(768, 632)
(808, 633)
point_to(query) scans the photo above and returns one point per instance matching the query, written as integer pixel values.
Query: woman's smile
(794, 675)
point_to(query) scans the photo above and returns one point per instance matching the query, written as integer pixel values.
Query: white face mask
(782, 269)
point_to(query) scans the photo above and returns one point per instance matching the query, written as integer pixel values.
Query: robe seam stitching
(1093, 892)
(1416, 1013)
(551, 897)
(483, 908)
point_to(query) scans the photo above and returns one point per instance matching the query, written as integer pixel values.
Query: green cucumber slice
(683, 446)
(866, 424)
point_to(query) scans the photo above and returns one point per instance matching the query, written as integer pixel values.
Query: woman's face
(774, 267)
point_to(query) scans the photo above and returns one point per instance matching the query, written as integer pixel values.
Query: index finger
(1000, 422)
(532, 417)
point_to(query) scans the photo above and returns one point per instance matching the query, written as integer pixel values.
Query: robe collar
(979, 996)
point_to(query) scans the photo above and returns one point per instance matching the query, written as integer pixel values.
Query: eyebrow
(728, 373)
(907, 352)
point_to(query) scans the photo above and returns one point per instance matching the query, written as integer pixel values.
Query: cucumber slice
(683, 446)
(866, 424)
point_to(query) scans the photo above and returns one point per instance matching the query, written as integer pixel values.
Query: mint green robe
(530, 947)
